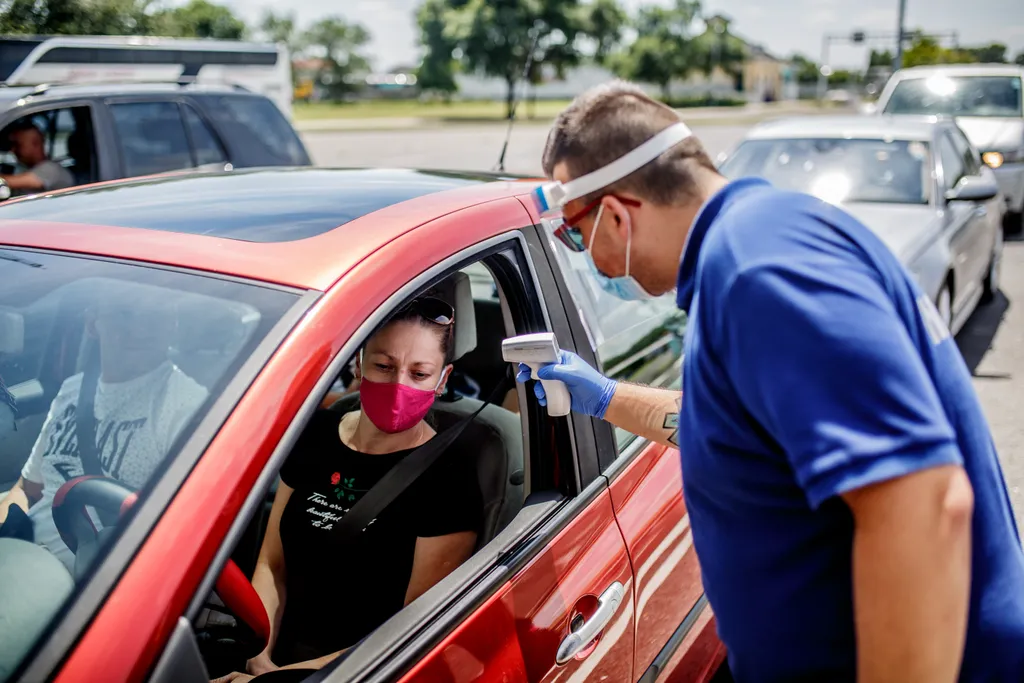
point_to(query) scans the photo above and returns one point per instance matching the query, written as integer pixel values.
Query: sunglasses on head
(433, 310)
(570, 235)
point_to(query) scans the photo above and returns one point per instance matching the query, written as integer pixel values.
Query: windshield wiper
(17, 259)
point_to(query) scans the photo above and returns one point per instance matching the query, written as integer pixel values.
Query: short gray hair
(609, 120)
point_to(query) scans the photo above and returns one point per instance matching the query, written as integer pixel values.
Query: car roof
(960, 70)
(301, 227)
(872, 127)
(11, 96)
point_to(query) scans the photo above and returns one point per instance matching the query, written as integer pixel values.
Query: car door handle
(577, 641)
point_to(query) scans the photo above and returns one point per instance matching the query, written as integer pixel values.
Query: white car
(915, 181)
(988, 103)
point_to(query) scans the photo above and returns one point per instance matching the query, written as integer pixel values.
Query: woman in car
(323, 597)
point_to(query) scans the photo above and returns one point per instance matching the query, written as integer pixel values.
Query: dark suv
(105, 132)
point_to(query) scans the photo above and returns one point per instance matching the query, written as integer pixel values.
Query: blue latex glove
(591, 392)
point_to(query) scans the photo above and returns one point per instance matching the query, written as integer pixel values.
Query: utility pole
(897, 60)
(824, 70)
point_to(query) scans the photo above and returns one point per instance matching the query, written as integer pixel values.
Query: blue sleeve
(820, 357)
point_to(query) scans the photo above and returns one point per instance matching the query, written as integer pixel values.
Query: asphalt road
(992, 342)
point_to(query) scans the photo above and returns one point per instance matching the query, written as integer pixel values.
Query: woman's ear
(445, 374)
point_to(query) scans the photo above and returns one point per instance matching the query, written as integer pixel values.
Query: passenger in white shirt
(142, 401)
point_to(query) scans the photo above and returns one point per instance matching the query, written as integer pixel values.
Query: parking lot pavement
(992, 342)
(469, 147)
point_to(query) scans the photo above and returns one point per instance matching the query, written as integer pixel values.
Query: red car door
(675, 634)
(581, 581)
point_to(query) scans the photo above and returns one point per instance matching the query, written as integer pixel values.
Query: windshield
(124, 357)
(839, 170)
(957, 96)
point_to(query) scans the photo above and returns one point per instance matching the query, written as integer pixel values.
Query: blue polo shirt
(815, 366)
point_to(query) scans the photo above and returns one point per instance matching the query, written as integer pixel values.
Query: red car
(250, 292)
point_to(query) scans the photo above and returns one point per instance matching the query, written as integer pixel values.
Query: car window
(152, 137)
(264, 121)
(957, 96)
(477, 486)
(839, 169)
(972, 163)
(129, 354)
(634, 341)
(205, 145)
(952, 162)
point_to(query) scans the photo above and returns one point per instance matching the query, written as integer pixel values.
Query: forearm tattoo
(672, 422)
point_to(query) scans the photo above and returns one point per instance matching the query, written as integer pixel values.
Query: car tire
(944, 304)
(1013, 222)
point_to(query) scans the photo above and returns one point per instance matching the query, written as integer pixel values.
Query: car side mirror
(973, 189)
(5, 190)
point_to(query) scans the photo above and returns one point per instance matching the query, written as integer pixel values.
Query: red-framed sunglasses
(571, 236)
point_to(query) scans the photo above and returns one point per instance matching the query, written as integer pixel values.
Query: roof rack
(43, 88)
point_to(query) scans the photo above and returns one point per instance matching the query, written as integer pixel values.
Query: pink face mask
(393, 407)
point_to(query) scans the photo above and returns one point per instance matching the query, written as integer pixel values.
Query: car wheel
(944, 304)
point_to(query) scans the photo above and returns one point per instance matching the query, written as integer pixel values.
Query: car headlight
(997, 159)
(993, 159)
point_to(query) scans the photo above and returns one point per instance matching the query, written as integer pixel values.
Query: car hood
(990, 133)
(905, 229)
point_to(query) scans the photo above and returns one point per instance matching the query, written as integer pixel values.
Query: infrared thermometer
(536, 350)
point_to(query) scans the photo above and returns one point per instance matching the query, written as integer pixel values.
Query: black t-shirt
(336, 594)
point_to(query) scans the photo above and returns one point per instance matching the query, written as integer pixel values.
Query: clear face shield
(551, 197)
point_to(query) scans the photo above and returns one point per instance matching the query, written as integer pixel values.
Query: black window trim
(944, 136)
(111, 102)
(446, 605)
(51, 650)
(185, 104)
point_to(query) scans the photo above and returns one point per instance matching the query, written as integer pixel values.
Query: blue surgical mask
(625, 286)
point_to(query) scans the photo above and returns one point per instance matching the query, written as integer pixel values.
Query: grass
(456, 111)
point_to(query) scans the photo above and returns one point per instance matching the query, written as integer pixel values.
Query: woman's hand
(260, 664)
(234, 677)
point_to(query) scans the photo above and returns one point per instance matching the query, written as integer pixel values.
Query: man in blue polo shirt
(847, 503)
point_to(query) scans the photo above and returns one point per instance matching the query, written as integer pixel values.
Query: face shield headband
(552, 196)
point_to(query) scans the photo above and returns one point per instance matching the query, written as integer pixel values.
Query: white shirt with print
(136, 423)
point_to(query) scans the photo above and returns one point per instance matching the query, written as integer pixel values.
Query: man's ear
(621, 221)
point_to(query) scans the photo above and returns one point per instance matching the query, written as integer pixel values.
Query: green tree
(339, 43)
(880, 58)
(436, 72)
(924, 51)
(200, 19)
(806, 70)
(281, 28)
(604, 24)
(717, 47)
(1019, 59)
(995, 53)
(664, 48)
(496, 36)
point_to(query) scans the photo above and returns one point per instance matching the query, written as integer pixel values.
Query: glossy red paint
(314, 263)
(129, 631)
(523, 624)
(648, 500)
(699, 655)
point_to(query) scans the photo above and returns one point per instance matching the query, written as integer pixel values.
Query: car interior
(70, 142)
(496, 435)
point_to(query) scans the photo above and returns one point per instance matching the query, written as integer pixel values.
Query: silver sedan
(915, 181)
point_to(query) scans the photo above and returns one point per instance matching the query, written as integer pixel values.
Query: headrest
(458, 292)
(12, 331)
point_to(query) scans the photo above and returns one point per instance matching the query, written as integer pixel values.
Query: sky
(782, 26)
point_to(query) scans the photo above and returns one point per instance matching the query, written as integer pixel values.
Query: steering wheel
(112, 500)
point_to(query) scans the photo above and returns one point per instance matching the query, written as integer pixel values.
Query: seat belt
(85, 414)
(402, 475)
